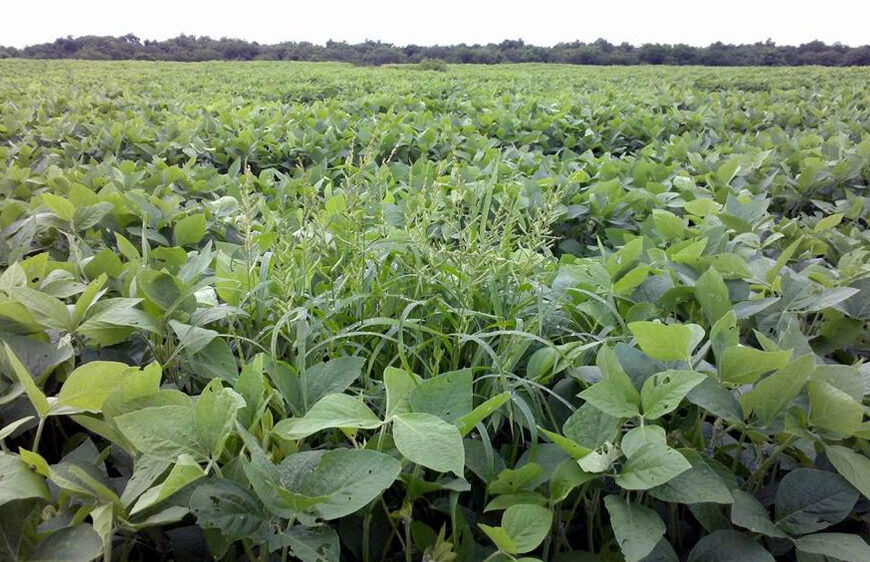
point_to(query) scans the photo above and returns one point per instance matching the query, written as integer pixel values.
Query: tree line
(600, 52)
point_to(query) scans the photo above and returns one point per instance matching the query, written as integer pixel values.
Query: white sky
(540, 22)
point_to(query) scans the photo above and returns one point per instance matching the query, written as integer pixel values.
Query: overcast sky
(541, 22)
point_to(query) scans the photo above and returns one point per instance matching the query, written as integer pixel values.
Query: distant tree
(191, 48)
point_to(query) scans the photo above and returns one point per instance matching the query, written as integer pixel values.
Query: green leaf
(729, 546)
(399, 385)
(58, 205)
(467, 422)
(809, 500)
(712, 293)
(663, 392)
(224, 505)
(716, 399)
(87, 387)
(747, 512)
(842, 546)
(351, 478)
(34, 394)
(512, 480)
(724, 334)
(699, 484)
(567, 476)
(18, 481)
(640, 436)
(185, 471)
(666, 342)
(853, 466)
(651, 465)
(574, 450)
(527, 525)
(163, 432)
(637, 528)
(615, 395)
(590, 427)
(215, 415)
(332, 411)
(670, 225)
(744, 365)
(429, 441)
(192, 339)
(313, 544)
(775, 392)
(833, 409)
(448, 396)
(332, 377)
(106, 262)
(500, 537)
(189, 230)
(70, 544)
(47, 310)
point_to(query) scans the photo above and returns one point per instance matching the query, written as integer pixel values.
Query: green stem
(38, 435)
(758, 475)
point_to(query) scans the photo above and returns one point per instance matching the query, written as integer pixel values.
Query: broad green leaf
(663, 392)
(351, 478)
(189, 230)
(809, 500)
(185, 471)
(631, 280)
(224, 505)
(712, 293)
(615, 395)
(215, 415)
(399, 385)
(666, 342)
(699, 484)
(724, 334)
(832, 409)
(192, 339)
(34, 394)
(332, 377)
(429, 441)
(70, 544)
(500, 537)
(841, 546)
(640, 436)
(313, 544)
(637, 528)
(448, 396)
(744, 365)
(668, 224)
(716, 399)
(651, 465)
(504, 501)
(332, 411)
(775, 392)
(729, 546)
(852, 466)
(88, 386)
(58, 205)
(18, 481)
(567, 476)
(45, 309)
(512, 480)
(590, 427)
(747, 512)
(527, 525)
(163, 432)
